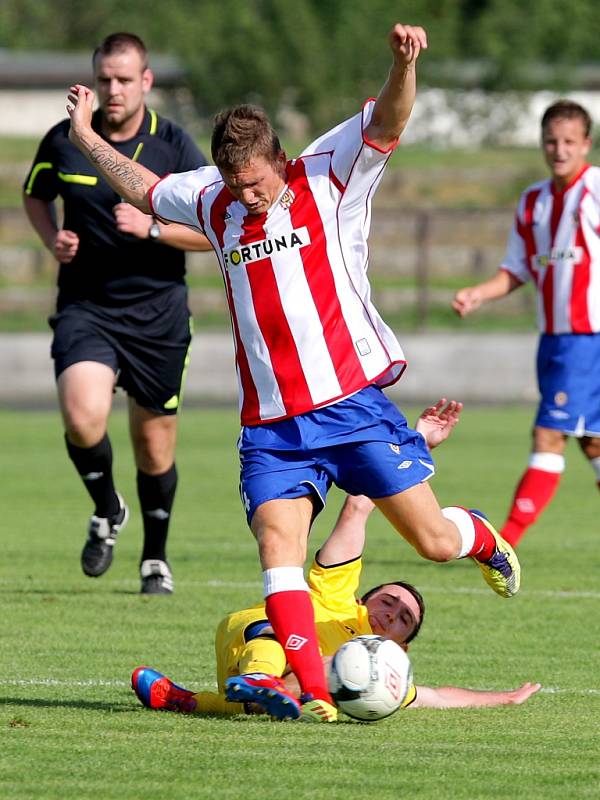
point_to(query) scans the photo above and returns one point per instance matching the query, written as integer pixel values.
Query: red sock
(484, 544)
(293, 620)
(533, 493)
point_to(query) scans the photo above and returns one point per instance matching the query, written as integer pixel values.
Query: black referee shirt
(110, 268)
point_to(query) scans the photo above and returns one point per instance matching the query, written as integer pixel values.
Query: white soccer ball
(369, 677)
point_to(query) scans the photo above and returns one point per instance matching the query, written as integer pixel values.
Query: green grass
(439, 318)
(71, 728)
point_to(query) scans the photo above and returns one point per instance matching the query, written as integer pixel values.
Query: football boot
(97, 553)
(267, 691)
(155, 690)
(502, 571)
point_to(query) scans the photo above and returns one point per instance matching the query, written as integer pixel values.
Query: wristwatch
(154, 231)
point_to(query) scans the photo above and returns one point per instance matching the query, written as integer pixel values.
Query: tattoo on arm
(106, 158)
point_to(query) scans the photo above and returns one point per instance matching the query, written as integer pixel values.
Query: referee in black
(122, 316)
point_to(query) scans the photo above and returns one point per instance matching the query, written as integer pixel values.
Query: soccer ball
(369, 677)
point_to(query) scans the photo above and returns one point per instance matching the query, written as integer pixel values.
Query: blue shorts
(362, 444)
(568, 371)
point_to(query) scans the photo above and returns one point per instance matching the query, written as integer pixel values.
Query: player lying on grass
(251, 664)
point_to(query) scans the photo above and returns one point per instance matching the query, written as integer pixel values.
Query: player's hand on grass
(79, 109)
(467, 300)
(436, 422)
(65, 246)
(131, 220)
(523, 693)
(406, 42)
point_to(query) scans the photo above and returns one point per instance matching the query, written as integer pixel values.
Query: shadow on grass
(118, 708)
(48, 595)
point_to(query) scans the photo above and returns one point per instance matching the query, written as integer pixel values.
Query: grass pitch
(70, 727)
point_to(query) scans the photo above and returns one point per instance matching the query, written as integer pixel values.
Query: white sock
(547, 462)
(283, 579)
(466, 527)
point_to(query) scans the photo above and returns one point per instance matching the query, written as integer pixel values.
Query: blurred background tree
(318, 56)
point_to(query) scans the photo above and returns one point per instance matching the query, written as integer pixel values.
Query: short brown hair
(567, 109)
(241, 134)
(117, 43)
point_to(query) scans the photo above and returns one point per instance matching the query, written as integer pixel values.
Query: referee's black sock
(156, 494)
(94, 465)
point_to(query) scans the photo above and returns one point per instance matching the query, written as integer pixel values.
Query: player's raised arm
(436, 422)
(394, 104)
(129, 179)
(347, 539)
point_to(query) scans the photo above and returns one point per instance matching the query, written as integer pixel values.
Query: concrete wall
(491, 368)
(441, 117)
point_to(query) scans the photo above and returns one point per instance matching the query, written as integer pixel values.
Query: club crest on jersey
(561, 398)
(287, 198)
(265, 248)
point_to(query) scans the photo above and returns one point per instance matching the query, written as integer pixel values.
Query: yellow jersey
(338, 617)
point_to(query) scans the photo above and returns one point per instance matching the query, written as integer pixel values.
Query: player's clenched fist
(65, 246)
(130, 220)
(467, 300)
(406, 42)
(80, 108)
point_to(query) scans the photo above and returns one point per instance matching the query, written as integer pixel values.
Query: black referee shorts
(145, 343)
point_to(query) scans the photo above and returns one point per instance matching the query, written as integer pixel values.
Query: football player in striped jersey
(555, 244)
(312, 352)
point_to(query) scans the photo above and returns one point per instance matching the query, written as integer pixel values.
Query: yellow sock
(262, 655)
(213, 703)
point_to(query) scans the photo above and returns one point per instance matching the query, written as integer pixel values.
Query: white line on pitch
(199, 686)
(566, 594)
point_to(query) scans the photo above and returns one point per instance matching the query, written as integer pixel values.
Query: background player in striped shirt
(555, 243)
(312, 352)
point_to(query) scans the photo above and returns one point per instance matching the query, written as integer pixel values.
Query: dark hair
(241, 134)
(117, 43)
(567, 109)
(409, 588)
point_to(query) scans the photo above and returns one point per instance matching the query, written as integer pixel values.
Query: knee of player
(357, 506)
(85, 429)
(437, 545)
(277, 547)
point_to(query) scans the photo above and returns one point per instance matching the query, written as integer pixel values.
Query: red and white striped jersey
(306, 332)
(555, 242)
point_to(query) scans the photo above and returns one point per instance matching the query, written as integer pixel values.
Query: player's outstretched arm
(436, 422)
(129, 179)
(471, 297)
(457, 697)
(394, 104)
